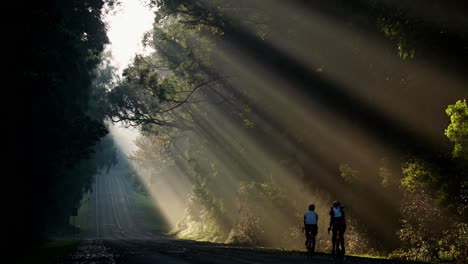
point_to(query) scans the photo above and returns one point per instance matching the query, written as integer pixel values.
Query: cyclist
(338, 227)
(310, 222)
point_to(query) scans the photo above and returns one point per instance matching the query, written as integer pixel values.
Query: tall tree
(59, 47)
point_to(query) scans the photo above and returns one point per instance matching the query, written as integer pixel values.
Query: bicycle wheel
(311, 244)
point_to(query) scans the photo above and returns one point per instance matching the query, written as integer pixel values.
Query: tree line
(57, 142)
(265, 106)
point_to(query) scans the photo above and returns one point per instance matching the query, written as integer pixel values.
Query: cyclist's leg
(342, 232)
(307, 227)
(314, 235)
(334, 239)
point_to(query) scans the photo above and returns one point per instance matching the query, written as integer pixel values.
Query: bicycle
(310, 246)
(338, 244)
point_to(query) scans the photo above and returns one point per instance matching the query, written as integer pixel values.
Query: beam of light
(329, 46)
(348, 67)
(166, 183)
(124, 138)
(125, 32)
(328, 140)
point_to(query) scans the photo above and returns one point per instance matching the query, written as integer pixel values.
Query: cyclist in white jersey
(311, 221)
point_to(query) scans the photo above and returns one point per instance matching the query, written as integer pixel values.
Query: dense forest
(249, 110)
(58, 141)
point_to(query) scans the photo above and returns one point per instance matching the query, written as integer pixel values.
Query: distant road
(113, 213)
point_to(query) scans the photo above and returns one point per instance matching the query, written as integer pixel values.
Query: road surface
(113, 212)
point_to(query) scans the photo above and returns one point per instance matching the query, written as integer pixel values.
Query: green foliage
(356, 239)
(205, 215)
(105, 154)
(414, 27)
(446, 183)
(421, 226)
(260, 202)
(395, 31)
(457, 131)
(433, 209)
(349, 174)
(156, 88)
(62, 44)
(82, 218)
(203, 219)
(385, 174)
(453, 245)
(258, 194)
(428, 233)
(418, 176)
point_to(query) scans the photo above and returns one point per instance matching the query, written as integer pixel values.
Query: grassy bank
(149, 213)
(83, 213)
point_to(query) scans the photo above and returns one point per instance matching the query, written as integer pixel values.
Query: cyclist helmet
(336, 204)
(311, 207)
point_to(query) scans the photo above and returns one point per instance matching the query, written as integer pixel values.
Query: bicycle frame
(338, 244)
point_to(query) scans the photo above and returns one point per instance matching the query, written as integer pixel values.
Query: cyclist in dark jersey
(338, 227)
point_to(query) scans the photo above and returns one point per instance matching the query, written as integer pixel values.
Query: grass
(83, 213)
(150, 215)
(50, 252)
(359, 258)
(368, 256)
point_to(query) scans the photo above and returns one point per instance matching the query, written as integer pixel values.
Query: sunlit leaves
(395, 30)
(157, 87)
(349, 174)
(457, 131)
(418, 175)
(255, 199)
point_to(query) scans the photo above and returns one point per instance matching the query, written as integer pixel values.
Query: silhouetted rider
(310, 222)
(338, 227)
